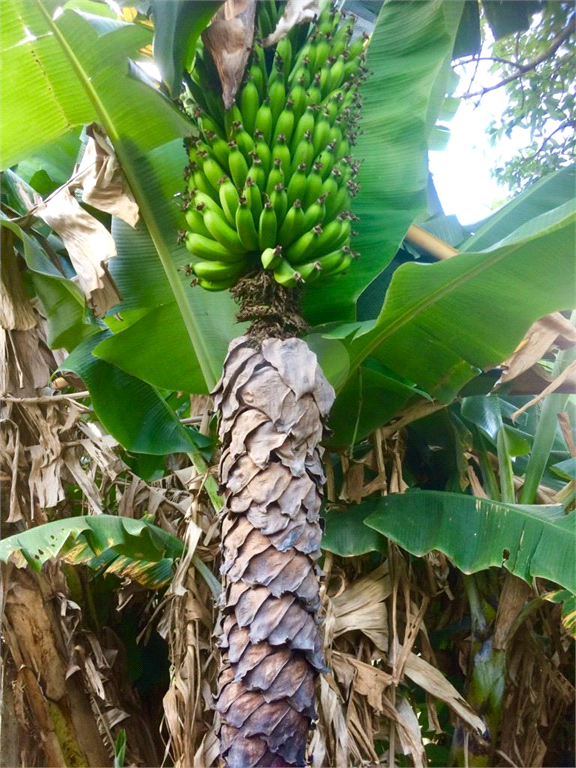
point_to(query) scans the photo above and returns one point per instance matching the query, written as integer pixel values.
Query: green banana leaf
(550, 192)
(488, 412)
(347, 535)
(443, 323)
(529, 541)
(177, 26)
(69, 321)
(409, 57)
(146, 130)
(122, 546)
(129, 408)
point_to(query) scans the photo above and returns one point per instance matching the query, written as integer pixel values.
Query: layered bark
(273, 399)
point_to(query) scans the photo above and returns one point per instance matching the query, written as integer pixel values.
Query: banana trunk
(273, 400)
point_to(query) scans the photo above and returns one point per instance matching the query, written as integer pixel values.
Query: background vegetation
(449, 541)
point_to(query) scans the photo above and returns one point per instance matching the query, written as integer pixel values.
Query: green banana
(300, 101)
(343, 266)
(213, 172)
(220, 285)
(267, 227)
(245, 225)
(297, 185)
(221, 152)
(304, 153)
(304, 247)
(256, 173)
(331, 261)
(333, 236)
(228, 195)
(293, 225)
(195, 221)
(279, 200)
(244, 141)
(277, 98)
(340, 202)
(223, 232)
(284, 50)
(276, 176)
(201, 183)
(206, 249)
(286, 275)
(238, 165)
(326, 161)
(305, 124)
(313, 188)
(314, 214)
(253, 195)
(263, 121)
(301, 76)
(342, 149)
(310, 271)
(323, 50)
(249, 103)
(263, 151)
(321, 135)
(218, 270)
(280, 151)
(271, 257)
(336, 74)
(231, 116)
(315, 91)
(200, 198)
(284, 124)
(256, 76)
(356, 48)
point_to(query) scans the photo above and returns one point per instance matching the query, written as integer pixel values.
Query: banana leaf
(177, 26)
(443, 323)
(108, 544)
(550, 192)
(528, 540)
(146, 130)
(409, 58)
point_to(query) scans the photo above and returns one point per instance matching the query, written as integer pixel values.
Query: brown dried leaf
(549, 331)
(432, 680)
(16, 312)
(409, 733)
(361, 607)
(296, 12)
(89, 245)
(103, 183)
(229, 39)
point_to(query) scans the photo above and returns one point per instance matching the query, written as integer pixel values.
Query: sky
(462, 171)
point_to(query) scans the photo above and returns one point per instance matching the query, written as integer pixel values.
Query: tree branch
(497, 59)
(561, 127)
(522, 69)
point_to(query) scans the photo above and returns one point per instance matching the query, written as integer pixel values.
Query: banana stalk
(272, 483)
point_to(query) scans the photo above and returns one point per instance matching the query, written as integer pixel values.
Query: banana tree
(288, 268)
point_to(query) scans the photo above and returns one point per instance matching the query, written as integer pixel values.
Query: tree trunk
(273, 399)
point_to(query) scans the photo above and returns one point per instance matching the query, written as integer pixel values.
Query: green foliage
(409, 57)
(107, 544)
(548, 193)
(541, 101)
(480, 533)
(443, 323)
(177, 28)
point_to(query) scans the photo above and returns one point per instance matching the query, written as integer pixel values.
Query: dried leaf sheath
(272, 402)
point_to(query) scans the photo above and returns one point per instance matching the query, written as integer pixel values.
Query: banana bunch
(270, 180)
